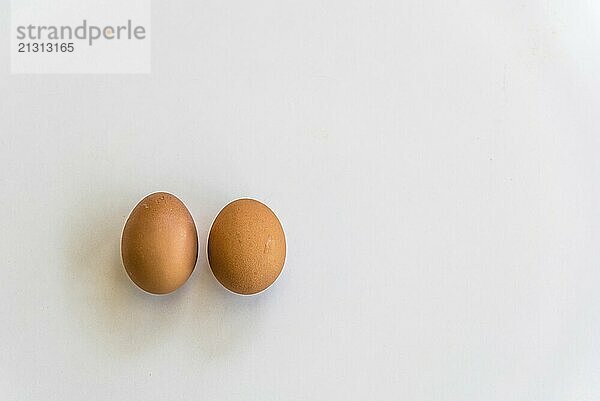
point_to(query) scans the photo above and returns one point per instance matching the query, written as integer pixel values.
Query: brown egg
(246, 247)
(159, 245)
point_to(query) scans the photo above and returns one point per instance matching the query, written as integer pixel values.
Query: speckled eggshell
(159, 245)
(246, 247)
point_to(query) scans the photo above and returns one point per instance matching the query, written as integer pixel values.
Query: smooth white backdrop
(434, 163)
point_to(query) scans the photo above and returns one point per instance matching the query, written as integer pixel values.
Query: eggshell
(159, 245)
(246, 247)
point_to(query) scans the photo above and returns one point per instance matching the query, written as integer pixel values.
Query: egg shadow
(225, 323)
(118, 317)
(107, 305)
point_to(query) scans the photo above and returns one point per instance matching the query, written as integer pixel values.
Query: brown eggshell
(159, 245)
(246, 247)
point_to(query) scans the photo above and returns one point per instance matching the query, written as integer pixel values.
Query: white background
(435, 166)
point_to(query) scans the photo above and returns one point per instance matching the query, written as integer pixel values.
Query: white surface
(435, 165)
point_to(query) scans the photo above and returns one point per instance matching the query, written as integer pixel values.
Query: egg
(159, 245)
(246, 247)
